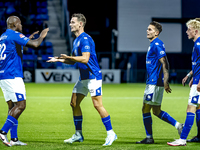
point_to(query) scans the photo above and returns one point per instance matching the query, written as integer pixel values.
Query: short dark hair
(80, 17)
(157, 25)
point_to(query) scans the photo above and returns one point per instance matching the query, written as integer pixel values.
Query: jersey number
(2, 49)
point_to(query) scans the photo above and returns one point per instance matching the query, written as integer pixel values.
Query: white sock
(110, 132)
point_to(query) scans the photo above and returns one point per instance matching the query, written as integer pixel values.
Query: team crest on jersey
(157, 43)
(85, 37)
(87, 47)
(162, 52)
(21, 36)
(198, 43)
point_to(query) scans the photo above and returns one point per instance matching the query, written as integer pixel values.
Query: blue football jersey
(196, 61)
(153, 66)
(10, 61)
(91, 70)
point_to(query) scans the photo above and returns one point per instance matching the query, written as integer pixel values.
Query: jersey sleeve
(160, 50)
(85, 45)
(20, 39)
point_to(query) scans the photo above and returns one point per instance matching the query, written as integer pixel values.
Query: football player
(157, 81)
(11, 75)
(90, 80)
(193, 32)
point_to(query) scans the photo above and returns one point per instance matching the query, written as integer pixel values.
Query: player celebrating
(193, 33)
(90, 79)
(157, 65)
(11, 75)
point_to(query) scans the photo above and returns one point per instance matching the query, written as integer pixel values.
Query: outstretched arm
(82, 59)
(60, 59)
(165, 66)
(36, 43)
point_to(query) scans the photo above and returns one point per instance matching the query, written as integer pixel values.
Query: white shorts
(194, 96)
(90, 85)
(153, 95)
(13, 89)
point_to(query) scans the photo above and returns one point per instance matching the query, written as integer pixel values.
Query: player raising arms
(193, 33)
(157, 65)
(90, 79)
(11, 75)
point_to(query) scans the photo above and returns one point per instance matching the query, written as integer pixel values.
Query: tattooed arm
(165, 67)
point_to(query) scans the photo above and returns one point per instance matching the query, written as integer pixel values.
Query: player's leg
(191, 109)
(167, 118)
(196, 138)
(147, 121)
(95, 88)
(78, 94)
(14, 90)
(105, 117)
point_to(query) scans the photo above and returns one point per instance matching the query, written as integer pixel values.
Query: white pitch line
(88, 97)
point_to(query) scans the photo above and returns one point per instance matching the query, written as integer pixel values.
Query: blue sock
(188, 125)
(10, 121)
(13, 131)
(166, 117)
(147, 120)
(78, 122)
(107, 123)
(198, 122)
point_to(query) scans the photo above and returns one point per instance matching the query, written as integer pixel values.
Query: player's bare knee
(73, 105)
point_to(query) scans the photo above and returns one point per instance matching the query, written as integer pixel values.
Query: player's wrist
(189, 75)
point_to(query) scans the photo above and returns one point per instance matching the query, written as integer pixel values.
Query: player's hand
(32, 35)
(198, 88)
(167, 88)
(190, 83)
(43, 34)
(184, 80)
(64, 56)
(53, 59)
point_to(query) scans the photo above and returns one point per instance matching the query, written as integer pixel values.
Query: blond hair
(194, 23)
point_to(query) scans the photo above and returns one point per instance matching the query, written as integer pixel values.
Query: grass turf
(47, 120)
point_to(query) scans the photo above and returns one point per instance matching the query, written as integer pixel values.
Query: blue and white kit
(90, 73)
(154, 85)
(11, 65)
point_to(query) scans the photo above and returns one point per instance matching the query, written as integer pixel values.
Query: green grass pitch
(47, 120)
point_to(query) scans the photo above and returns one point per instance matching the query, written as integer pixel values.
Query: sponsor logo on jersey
(87, 47)
(85, 37)
(198, 43)
(21, 36)
(157, 43)
(162, 52)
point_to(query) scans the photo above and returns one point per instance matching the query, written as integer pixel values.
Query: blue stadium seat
(49, 44)
(49, 50)
(45, 57)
